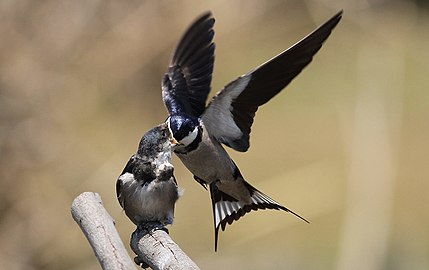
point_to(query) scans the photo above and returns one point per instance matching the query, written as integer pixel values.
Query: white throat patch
(162, 161)
(190, 137)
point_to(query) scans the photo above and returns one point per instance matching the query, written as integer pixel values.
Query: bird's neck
(182, 149)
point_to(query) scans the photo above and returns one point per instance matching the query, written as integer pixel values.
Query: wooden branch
(99, 228)
(155, 248)
(159, 251)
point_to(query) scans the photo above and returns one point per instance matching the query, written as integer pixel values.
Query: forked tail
(227, 209)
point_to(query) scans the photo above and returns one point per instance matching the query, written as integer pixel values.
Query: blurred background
(345, 145)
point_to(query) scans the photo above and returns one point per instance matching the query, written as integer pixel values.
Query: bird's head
(184, 129)
(154, 142)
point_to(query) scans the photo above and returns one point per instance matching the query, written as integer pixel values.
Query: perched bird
(200, 131)
(146, 188)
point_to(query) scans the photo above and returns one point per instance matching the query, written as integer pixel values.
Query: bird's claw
(150, 227)
(139, 261)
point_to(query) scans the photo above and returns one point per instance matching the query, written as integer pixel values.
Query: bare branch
(159, 251)
(156, 248)
(99, 228)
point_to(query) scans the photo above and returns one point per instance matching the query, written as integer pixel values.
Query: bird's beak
(173, 141)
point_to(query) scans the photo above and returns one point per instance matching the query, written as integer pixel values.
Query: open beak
(173, 141)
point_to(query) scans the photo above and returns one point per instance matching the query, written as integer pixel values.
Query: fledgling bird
(147, 189)
(200, 131)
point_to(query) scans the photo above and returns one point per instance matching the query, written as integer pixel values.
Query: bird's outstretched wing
(186, 84)
(229, 116)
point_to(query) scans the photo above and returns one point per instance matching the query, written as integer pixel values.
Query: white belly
(153, 202)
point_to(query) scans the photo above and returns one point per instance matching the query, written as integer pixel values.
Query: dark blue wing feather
(186, 84)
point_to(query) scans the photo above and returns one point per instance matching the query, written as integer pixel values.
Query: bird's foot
(152, 226)
(139, 261)
(143, 229)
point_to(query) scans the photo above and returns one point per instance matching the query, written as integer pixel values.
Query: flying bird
(200, 131)
(147, 189)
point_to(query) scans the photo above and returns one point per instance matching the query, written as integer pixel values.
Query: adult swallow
(200, 131)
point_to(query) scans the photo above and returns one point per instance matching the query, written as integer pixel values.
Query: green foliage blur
(345, 145)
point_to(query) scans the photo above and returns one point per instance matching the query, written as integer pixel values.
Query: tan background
(346, 145)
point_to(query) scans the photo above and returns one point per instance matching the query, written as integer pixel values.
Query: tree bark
(99, 228)
(154, 248)
(159, 251)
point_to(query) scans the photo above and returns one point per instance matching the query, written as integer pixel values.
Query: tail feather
(227, 209)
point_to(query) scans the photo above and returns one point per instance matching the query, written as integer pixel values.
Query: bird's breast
(153, 201)
(209, 161)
